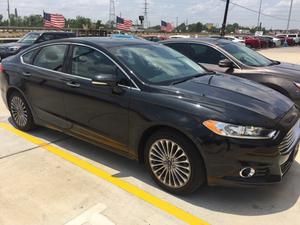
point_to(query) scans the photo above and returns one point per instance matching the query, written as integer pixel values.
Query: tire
(192, 168)
(20, 112)
(248, 46)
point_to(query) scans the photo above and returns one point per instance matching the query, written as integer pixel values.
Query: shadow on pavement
(239, 201)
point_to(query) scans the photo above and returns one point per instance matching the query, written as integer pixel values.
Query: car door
(99, 113)
(42, 71)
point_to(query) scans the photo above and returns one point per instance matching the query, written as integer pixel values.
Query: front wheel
(174, 163)
(20, 112)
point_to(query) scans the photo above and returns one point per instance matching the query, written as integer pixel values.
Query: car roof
(50, 32)
(214, 41)
(105, 42)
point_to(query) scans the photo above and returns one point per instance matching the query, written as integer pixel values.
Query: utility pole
(146, 8)
(289, 19)
(112, 13)
(225, 18)
(8, 12)
(177, 24)
(259, 13)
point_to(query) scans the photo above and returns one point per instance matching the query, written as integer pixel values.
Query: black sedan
(224, 56)
(150, 103)
(30, 39)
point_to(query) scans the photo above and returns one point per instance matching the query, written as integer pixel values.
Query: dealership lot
(40, 185)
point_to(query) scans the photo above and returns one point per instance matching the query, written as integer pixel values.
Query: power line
(255, 11)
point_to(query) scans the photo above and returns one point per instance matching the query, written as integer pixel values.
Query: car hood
(13, 44)
(288, 70)
(234, 94)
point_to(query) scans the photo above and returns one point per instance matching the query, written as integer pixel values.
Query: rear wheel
(174, 163)
(20, 112)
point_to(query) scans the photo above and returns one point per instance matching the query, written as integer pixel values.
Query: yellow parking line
(159, 203)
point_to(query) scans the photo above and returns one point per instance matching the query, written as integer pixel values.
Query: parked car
(179, 36)
(276, 41)
(252, 42)
(30, 39)
(150, 103)
(266, 42)
(154, 38)
(227, 57)
(230, 38)
(296, 38)
(284, 38)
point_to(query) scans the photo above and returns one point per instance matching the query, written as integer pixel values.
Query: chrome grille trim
(285, 147)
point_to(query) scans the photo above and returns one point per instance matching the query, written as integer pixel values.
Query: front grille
(285, 147)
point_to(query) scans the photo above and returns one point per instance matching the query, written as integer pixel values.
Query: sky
(205, 11)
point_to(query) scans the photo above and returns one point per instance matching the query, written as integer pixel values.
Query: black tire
(20, 112)
(197, 172)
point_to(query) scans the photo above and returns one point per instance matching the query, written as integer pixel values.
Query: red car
(263, 42)
(290, 41)
(252, 42)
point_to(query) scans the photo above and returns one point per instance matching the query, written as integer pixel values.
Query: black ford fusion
(223, 56)
(150, 103)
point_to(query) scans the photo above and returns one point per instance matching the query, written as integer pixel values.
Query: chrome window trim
(75, 76)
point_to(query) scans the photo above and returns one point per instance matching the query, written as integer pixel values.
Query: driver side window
(206, 54)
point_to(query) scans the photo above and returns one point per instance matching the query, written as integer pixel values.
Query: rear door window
(206, 54)
(51, 57)
(181, 47)
(29, 56)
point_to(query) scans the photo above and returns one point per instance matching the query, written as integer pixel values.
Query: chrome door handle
(74, 85)
(26, 74)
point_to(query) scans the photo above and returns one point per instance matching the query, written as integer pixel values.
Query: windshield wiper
(192, 77)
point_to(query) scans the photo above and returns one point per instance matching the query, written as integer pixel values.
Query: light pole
(258, 19)
(8, 12)
(289, 19)
(225, 18)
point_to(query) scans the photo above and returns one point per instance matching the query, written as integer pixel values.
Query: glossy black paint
(121, 118)
(5, 48)
(280, 77)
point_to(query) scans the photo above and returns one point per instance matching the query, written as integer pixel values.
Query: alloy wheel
(19, 111)
(169, 163)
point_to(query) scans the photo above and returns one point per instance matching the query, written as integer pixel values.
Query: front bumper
(271, 161)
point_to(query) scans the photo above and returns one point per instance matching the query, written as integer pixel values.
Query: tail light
(1, 68)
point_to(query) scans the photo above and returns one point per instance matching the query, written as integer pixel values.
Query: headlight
(14, 48)
(297, 84)
(236, 131)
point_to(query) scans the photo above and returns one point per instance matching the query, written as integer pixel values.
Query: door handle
(26, 74)
(72, 84)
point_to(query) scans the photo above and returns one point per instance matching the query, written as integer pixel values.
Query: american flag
(123, 24)
(167, 27)
(54, 21)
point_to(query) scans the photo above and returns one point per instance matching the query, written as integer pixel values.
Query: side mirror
(226, 63)
(105, 80)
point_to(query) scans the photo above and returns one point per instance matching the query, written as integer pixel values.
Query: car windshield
(157, 64)
(29, 38)
(246, 55)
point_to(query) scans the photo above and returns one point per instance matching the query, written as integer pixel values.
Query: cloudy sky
(206, 11)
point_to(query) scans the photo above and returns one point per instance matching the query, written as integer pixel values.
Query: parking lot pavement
(287, 54)
(39, 187)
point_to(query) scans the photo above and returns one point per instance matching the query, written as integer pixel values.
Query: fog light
(247, 172)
